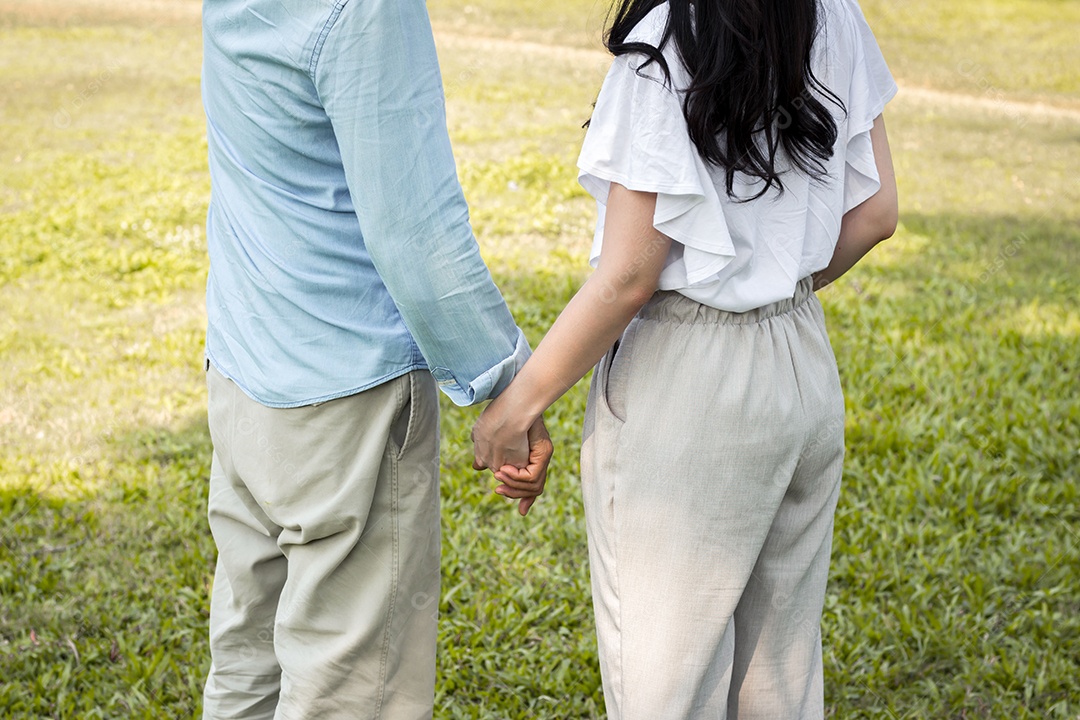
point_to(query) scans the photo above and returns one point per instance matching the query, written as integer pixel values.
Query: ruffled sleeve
(638, 138)
(871, 87)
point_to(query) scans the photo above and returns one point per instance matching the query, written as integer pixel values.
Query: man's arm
(377, 75)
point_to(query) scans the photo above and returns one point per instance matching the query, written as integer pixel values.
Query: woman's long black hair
(752, 89)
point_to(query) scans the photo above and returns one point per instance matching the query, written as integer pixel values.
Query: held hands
(518, 457)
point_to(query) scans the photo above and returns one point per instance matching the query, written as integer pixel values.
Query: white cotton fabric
(731, 255)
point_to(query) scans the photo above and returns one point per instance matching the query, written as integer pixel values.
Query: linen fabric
(711, 463)
(728, 254)
(341, 254)
(326, 519)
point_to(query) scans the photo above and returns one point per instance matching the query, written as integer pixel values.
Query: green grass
(1026, 49)
(995, 48)
(953, 589)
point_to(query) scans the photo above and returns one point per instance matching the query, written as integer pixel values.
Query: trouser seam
(620, 691)
(392, 457)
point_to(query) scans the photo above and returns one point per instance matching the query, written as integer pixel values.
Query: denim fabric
(341, 254)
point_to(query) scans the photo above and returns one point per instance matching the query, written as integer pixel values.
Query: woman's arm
(865, 225)
(627, 275)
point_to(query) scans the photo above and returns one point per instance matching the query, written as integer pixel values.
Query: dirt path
(990, 101)
(156, 12)
(63, 13)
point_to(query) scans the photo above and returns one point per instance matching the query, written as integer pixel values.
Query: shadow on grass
(105, 597)
(1034, 257)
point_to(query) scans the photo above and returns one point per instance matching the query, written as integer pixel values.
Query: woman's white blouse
(726, 254)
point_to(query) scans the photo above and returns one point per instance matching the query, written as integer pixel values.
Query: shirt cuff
(488, 384)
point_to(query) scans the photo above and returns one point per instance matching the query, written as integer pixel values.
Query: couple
(739, 159)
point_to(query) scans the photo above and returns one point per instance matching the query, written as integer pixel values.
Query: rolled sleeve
(377, 75)
(466, 391)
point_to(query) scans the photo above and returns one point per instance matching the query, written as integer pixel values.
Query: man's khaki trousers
(326, 519)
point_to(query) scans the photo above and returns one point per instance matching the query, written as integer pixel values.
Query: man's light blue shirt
(341, 254)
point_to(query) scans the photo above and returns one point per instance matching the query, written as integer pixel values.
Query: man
(342, 269)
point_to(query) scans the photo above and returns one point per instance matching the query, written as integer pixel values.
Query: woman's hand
(527, 483)
(496, 445)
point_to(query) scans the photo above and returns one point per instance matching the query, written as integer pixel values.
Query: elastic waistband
(669, 306)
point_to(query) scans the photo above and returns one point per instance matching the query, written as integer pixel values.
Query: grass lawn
(953, 591)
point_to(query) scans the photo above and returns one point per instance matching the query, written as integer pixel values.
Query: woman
(739, 158)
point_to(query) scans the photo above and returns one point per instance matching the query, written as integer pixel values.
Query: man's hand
(500, 437)
(523, 483)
